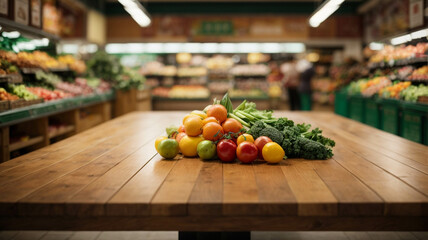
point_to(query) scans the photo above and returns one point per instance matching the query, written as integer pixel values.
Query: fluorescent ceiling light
(227, 48)
(248, 47)
(324, 11)
(209, 47)
(270, 47)
(137, 12)
(419, 34)
(192, 47)
(401, 39)
(172, 47)
(376, 46)
(293, 47)
(116, 48)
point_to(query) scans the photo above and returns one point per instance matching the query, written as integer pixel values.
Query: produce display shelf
(414, 122)
(11, 78)
(23, 144)
(62, 131)
(180, 99)
(250, 98)
(12, 25)
(399, 63)
(50, 108)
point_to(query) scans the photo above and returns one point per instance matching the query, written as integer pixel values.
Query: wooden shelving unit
(23, 144)
(34, 121)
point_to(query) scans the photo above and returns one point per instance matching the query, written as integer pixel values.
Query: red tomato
(247, 152)
(226, 150)
(260, 143)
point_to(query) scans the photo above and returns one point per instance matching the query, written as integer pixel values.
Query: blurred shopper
(307, 72)
(291, 82)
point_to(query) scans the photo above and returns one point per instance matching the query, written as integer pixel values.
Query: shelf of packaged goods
(23, 144)
(26, 30)
(61, 131)
(52, 107)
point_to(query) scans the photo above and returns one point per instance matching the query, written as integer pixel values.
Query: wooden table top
(110, 177)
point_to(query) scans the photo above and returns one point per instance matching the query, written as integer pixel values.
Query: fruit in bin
(245, 138)
(247, 152)
(226, 150)
(206, 150)
(212, 131)
(260, 143)
(193, 126)
(208, 120)
(189, 145)
(217, 111)
(158, 140)
(168, 148)
(272, 152)
(231, 125)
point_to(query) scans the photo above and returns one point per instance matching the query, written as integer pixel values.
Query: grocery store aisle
(137, 235)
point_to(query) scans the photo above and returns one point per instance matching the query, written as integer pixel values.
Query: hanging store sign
(416, 16)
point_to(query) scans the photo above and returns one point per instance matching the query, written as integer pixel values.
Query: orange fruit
(193, 126)
(181, 129)
(245, 138)
(231, 125)
(208, 120)
(190, 116)
(212, 131)
(217, 111)
(180, 136)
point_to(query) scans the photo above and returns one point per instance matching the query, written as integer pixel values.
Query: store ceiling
(301, 7)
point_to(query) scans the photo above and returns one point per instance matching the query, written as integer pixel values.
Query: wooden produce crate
(4, 105)
(17, 104)
(32, 102)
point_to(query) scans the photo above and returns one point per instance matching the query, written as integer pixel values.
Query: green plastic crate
(390, 116)
(357, 109)
(414, 122)
(372, 116)
(341, 102)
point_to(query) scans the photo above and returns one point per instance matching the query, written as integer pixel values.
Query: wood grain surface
(110, 177)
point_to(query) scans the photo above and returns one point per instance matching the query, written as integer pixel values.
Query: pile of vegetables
(297, 140)
(412, 93)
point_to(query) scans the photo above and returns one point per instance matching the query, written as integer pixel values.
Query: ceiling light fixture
(324, 11)
(137, 12)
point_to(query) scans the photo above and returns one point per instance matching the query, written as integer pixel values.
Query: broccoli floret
(310, 149)
(316, 135)
(281, 123)
(289, 149)
(272, 133)
(291, 132)
(304, 127)
(256, 128)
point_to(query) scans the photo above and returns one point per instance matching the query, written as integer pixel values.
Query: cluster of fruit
(7, 68)
(389, 53)
(74, 64)
(4, 95)
(419, 74)
(48, 94)
(373, 86)
(393, 91)
(22, 92)
(209, 134)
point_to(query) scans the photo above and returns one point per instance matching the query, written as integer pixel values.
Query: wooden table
(110, 178)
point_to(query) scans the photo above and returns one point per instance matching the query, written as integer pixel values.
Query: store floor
(66, 235)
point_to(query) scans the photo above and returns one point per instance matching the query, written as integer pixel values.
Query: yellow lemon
(272, 152)
(190, 115)
(193, 126)
(158, 140)
(189, 145)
